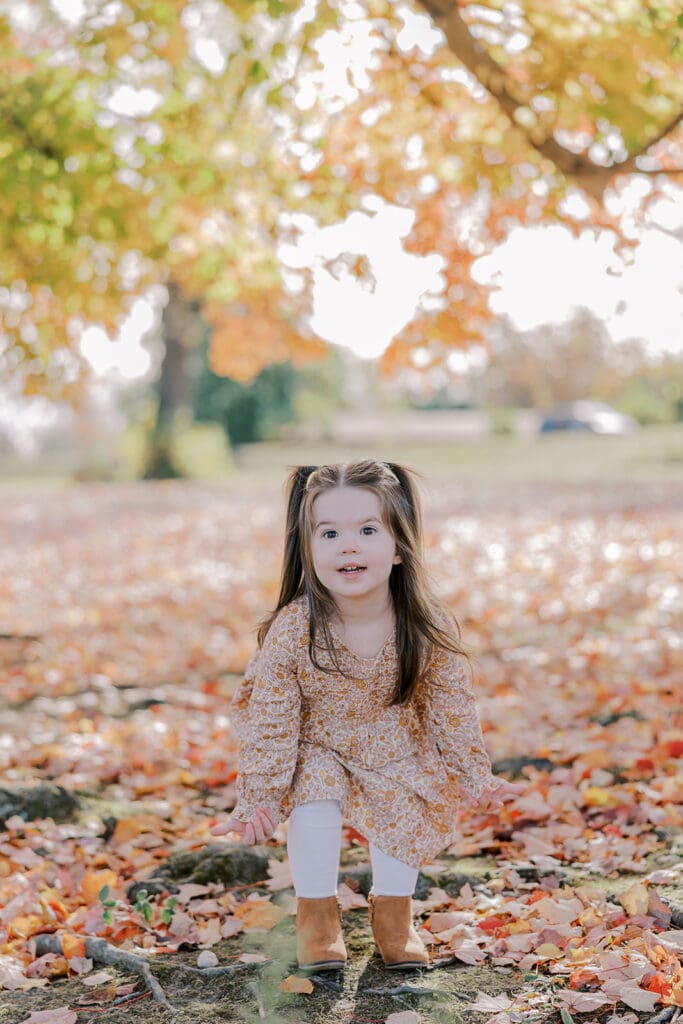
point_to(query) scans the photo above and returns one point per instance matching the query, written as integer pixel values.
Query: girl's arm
(265, 716)
(450, 712)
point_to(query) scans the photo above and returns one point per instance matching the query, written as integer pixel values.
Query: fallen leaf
(104, 994)
(635, 899)
(549, 951)
(80, 964)
(12, 976)
(59, 1015)
(279, 875)
(99, 978)
(260, 914)
(94, 881)
(631, 994)
(294, 984)
(582, 1002)
(209, 932)
(72, 945)
(25, 925)
(403, 1017)
(252, 958)
(350, 900)
(231, 926)
(484, 1002)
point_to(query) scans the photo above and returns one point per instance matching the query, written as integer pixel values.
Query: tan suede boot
(319, 939)
(399, 944)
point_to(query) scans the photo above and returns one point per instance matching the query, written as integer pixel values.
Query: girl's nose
(349, 543)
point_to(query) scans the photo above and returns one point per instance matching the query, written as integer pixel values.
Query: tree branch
(592, 178)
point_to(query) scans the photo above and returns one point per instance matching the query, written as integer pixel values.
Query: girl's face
(353, 551)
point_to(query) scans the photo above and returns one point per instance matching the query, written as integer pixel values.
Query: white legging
(313, 844)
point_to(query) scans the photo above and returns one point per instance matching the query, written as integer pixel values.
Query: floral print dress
(398, 772)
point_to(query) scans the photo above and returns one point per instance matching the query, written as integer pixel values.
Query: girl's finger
(231, 825)
(265, 828)
(248, 838)
(267, 823)
(258, 829)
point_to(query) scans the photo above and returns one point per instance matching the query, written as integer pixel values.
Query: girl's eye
(327, 534)
(367, 531)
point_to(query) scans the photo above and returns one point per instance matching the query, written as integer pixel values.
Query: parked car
(593, 417)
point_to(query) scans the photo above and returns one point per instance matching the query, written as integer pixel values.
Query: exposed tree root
(102, 952)
(664, 1016)
(405, 990)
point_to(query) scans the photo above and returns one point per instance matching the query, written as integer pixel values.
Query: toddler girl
(357, 706)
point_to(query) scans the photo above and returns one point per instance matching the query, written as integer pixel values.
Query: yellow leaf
(258, 914)
(25, 925)
(519, 928)
(549, 951)
(635, 899)
(595, 796)
(294, 984)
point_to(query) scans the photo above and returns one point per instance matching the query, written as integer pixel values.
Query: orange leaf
(294, 984)
(130, 828)
(259, 914)
(659, 983)
(72, 945)
(94, 881)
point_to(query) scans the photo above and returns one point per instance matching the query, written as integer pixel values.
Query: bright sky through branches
(541, 274)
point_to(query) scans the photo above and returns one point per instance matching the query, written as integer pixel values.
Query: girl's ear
(397, 559)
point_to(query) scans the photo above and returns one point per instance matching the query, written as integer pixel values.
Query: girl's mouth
(352, 570)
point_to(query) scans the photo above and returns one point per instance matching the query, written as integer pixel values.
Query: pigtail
(410, 498)
(291, 579)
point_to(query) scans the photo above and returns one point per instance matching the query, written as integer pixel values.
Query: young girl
(357, 706)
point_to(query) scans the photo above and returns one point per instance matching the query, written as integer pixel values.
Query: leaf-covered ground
(127, 614)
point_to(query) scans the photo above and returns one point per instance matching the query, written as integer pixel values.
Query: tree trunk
(181, 327)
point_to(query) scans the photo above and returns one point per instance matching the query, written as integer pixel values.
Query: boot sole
(407, 965)
(324, 965)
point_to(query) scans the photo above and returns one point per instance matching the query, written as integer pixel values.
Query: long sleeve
(265, 714)
(449, 709)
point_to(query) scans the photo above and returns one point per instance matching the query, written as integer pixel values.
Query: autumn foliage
(477, 117)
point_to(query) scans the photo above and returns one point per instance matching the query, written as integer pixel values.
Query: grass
(654, 454)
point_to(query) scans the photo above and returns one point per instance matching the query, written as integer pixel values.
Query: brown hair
(421, 619)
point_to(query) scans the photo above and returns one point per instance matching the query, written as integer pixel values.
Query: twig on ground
(256, 992)
(333, 986)
(403, 990)
(131, 998)
(217, 972)
(664, 1016)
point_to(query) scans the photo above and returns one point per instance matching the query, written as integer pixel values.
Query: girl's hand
(257, 830)
(494, 796)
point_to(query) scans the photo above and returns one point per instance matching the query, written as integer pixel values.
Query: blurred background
(238, 235)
